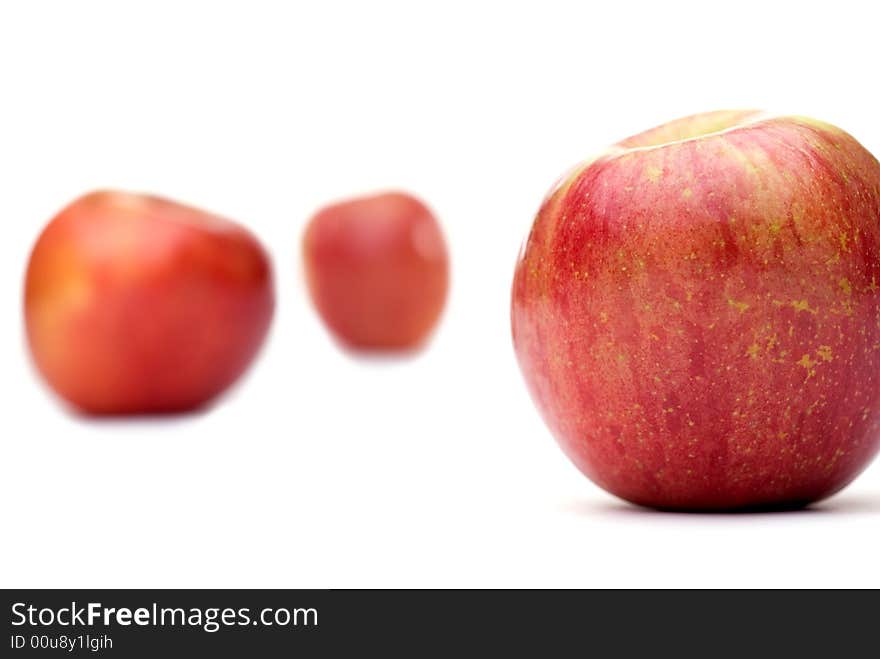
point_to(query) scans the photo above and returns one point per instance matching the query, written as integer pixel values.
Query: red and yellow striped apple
(697, 312)
(136, 305)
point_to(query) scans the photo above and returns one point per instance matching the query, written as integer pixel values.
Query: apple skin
(139, 305)
(696, 313)
(377, 269)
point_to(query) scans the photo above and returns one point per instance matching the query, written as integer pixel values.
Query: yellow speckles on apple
(775, 227)
(823, 353)
(809, 364)
(603, 316)
(742, 307)
(687, 193)
(803, 305)
(843, 239)
(653, 173)
(753, 350)
(845, 286)
(847, 305)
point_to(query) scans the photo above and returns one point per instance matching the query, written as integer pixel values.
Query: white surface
(323, 470)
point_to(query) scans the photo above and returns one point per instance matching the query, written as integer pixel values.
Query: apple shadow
(381, 355)
(852, 504)
(855, 504)
(159, 417)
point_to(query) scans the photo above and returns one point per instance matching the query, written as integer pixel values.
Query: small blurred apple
(697, 312)
(378, 270)
(135, 304)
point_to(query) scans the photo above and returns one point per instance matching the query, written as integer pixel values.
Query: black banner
(269, 623)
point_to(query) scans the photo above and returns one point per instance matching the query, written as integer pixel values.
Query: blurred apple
(378, 270)
(697, 312)
(135, 304)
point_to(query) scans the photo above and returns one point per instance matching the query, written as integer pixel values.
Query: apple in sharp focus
(696, 312)
(378, 270)
(136, 304)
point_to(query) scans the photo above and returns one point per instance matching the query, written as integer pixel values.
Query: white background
(325, 470)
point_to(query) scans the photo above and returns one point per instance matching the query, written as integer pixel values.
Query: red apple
(135, 304)
(377, 270)
(697, 313)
